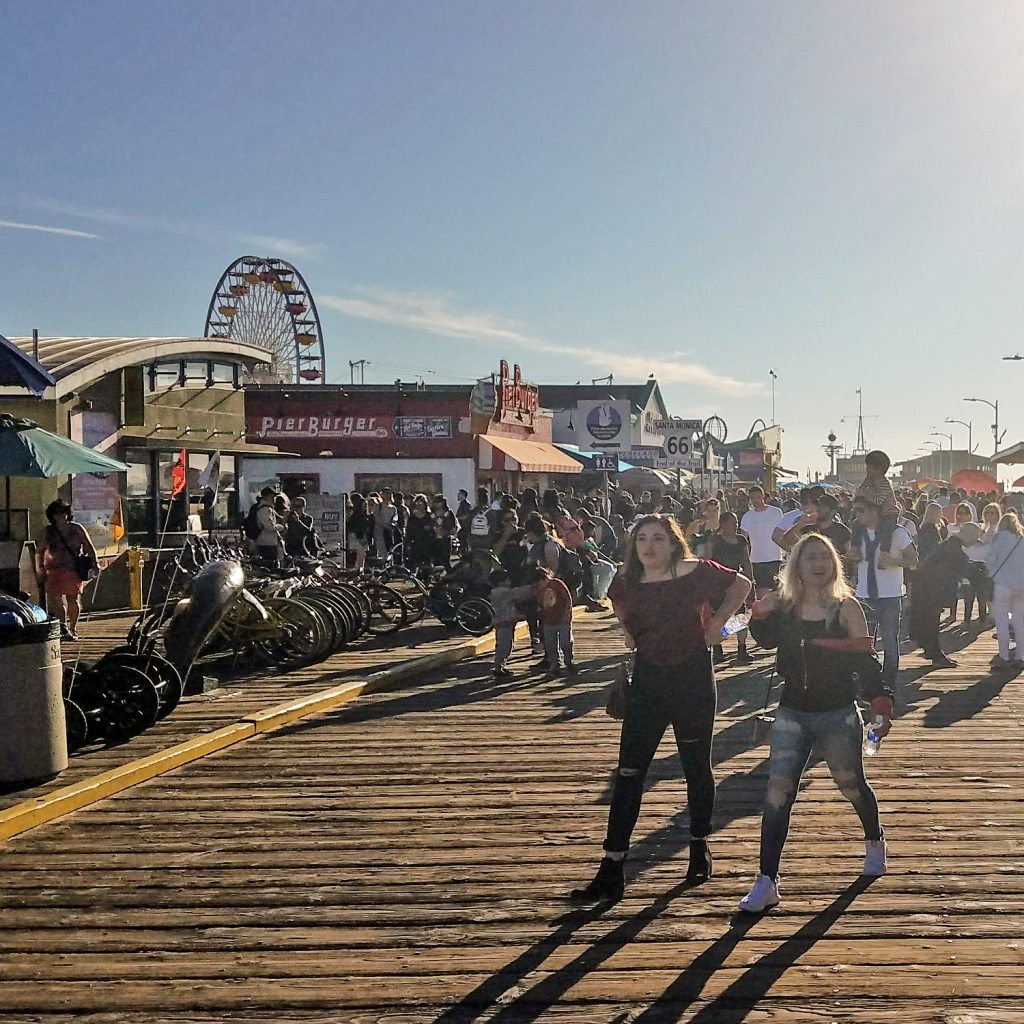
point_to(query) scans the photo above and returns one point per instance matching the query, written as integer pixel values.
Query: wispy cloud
(433, 314)
(267, 245)
(47, 229)
(275, 245)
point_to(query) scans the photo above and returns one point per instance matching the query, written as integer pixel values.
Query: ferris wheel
(266, 302)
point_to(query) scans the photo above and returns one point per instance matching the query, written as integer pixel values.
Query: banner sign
(95, 495)
(423, 426)
(604, 425)
(328, 512)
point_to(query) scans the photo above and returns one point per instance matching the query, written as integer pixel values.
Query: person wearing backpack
(265, 524)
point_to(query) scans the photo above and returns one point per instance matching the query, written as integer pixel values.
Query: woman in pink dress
(61, 545)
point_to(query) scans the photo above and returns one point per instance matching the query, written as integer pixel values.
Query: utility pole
(361, 364)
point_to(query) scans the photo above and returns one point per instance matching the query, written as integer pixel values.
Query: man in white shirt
(759, 523)
(880, 580)
(809, 497)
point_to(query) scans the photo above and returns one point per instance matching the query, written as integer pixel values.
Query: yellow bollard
(136, 557)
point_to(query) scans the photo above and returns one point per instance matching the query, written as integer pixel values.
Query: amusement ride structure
(266, 302)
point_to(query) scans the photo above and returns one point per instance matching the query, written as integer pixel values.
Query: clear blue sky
(705, 191)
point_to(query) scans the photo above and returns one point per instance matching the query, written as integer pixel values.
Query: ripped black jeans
(682, 696)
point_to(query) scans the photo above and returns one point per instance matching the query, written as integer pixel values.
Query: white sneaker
(764, 894)
(874, 857)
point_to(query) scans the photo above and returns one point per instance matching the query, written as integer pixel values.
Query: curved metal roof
(77, 362)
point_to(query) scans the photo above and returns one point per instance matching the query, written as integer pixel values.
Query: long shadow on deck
(733, 1005)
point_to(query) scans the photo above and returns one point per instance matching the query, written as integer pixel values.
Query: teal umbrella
(26, 449)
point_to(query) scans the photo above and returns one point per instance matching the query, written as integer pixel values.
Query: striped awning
(511, 455)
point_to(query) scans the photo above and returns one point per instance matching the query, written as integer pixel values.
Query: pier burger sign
(517, 402)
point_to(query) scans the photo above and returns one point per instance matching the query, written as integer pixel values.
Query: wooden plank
(407, 859)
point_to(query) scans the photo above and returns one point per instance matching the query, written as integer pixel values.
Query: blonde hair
(791, 587)
(992, 505)
(932, 513)
(1011, 524)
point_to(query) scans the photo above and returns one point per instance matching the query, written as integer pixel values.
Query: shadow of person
(536, 1000)
(735, 1003)
(958, 705)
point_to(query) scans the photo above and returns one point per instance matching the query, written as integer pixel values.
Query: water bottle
(734, 624)
(873, 741)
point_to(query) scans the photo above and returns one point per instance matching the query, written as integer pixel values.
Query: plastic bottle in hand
(873, 741)
(734, 624)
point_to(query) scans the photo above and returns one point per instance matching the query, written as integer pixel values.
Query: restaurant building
(411, 437)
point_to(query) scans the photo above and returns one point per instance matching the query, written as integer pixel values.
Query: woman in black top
(817, 626)
(663, 598)
(419, 534)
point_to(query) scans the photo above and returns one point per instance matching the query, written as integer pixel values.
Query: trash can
(33, 744)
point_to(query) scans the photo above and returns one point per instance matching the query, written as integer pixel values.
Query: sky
(706, 191)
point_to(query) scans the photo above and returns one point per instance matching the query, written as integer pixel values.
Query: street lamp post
(935, 446)
(774, 376)
(970, 433)
(995, 427)
(939, 433)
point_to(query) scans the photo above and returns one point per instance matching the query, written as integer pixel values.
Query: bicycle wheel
(302, 636)
(475, 616)
(390, 612)
(412, 591)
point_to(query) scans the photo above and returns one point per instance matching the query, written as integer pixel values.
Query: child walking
(555, 603)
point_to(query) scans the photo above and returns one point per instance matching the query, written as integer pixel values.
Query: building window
(406, 483)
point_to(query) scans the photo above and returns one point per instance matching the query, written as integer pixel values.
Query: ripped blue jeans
(838, 736)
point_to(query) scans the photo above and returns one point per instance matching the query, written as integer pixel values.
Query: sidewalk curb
(31, 813)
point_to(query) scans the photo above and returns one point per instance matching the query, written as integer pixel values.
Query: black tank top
(821, 688)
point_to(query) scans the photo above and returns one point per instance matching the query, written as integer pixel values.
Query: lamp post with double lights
(970, 433)
(939, 433)
(994, 406)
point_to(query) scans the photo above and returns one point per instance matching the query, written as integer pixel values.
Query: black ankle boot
(607, 884)
(701, 862)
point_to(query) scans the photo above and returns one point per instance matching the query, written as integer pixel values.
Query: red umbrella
(974, 480)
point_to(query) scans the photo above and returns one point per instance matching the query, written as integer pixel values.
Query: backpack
(251, 526)
(570, 533)
(480, 525)
(570, 569)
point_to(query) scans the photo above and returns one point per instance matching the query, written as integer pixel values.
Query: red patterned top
(666, 619)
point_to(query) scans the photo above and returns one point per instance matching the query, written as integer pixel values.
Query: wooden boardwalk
(238, 695)
(405, 859)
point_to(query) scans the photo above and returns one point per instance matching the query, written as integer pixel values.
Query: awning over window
(511, 455)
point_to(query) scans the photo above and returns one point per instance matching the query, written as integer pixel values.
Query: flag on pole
(210, 477)
(117, 520)
(178, 475)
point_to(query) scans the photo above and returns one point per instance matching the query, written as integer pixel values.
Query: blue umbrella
(18, 368)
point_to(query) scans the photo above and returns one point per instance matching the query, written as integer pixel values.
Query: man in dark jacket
(935, 576)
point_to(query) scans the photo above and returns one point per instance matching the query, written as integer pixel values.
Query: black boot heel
(607, 885)
(701, 862)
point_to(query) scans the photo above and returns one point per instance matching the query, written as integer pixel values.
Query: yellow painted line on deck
(31, 813)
